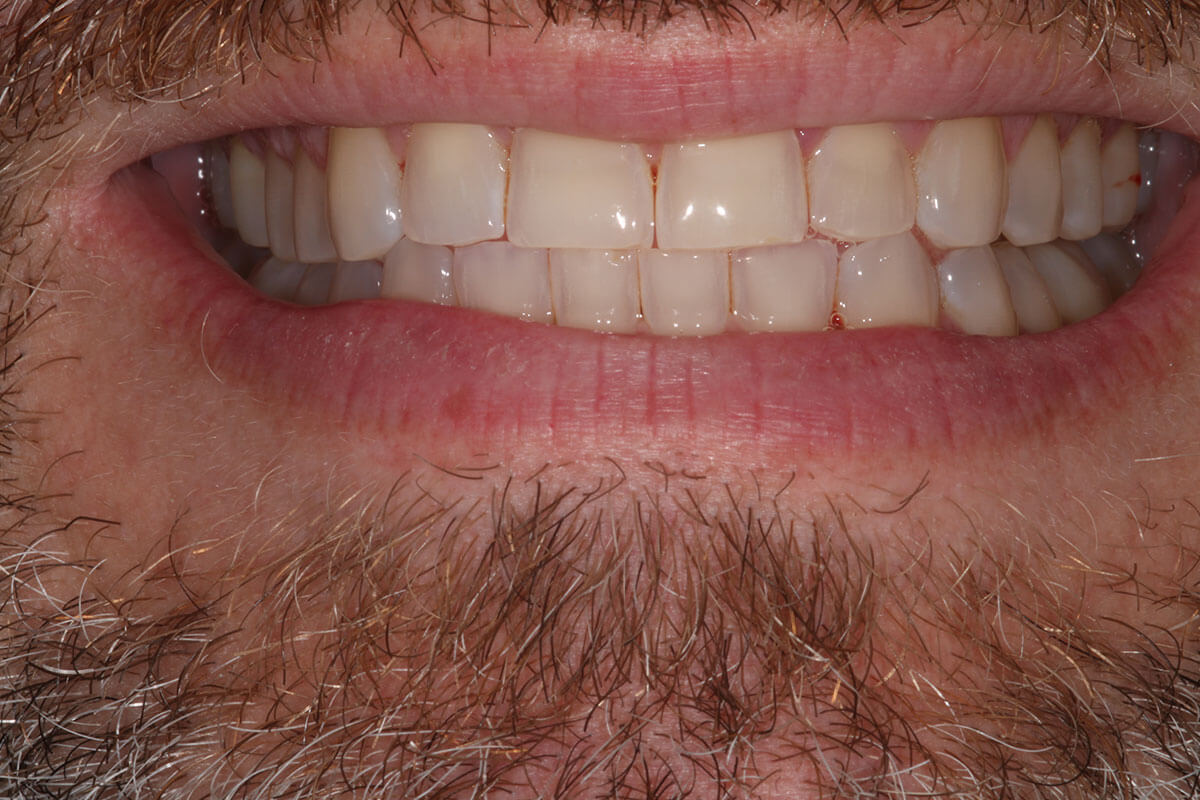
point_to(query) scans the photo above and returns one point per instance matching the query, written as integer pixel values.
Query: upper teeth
(691, 236)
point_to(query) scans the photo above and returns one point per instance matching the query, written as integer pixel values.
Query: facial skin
(251, 551)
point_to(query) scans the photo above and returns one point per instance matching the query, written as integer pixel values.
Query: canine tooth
(1083, 188)
(567, 191)
(1114, 259)
(1034, 212)
(454, 182)
(356, 280)
(735, 192)
(219, 185)
(503, 279)
(279, 194)
(974, 293)
(886, 281)
(278, 279)
(248, 185)
(1078, 290)
(364, 193)
(685, 292)
(314, 243)
(785, 287)
(315, 285)
(596, 289)
(861, 183)
(1121, 172)
(961, 182)
(413, 271)
(1031, 300)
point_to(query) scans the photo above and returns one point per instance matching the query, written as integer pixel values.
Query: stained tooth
(736, 192)
(278, 279)
(413, 271)
(1121, 173)
(454, 182)
(974, 293)
(1083, 187)
(886, 281)
(314, 244)
(1034, 212)
(786, 287)
(1113, 258)
(314, 287)
(685, 292)
(1078, 290)
(596, 289)
(355, 280)
(248, 183)
(861, 184)
(1035, 309)
(566, 191)
(279, 194)
(503, 279)
(364, 193)
(219, 185)
(961, 182)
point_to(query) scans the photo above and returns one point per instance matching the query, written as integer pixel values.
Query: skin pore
(222, 580)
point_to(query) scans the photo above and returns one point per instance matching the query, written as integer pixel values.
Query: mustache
(603, 641)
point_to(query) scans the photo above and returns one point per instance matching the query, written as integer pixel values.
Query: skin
(224, 578)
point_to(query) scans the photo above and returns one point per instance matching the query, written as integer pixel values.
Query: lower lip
(408, 375)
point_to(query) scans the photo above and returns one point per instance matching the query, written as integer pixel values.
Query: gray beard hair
(606, 643)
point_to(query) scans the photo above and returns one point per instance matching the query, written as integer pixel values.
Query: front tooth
(355, 280)
(1115, 260)
(454, 181)
(1078, 290)
(861, 184)
(1121, 173)
(595, 289)
(567, 191)
(961, 182)
(685, 292)
(314, 243)
(1083, 189)
(974, 293)
(248, 184)
(503, 279)
(278, 279)
(314, 287)
(1034, 212)
(886, 281)
(736, 192)
(279, 195)
(1031, 299)
(786, 287)
(364, 193)
(413, 271)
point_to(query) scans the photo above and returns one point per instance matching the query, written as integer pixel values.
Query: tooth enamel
(1083, 188)
(685, 292)
(248, 185)
(413, 271)
(278, 279)
(567, 191)
(786, 287)
(364, 193)
(314, 286)
(961, 183)
(503, 279)
(736, 192)
(1147, 167)
(974, 293)
(279, 194)
(1114, 259)
(219, 187)
(1034, 212)
(454, 182)
(355, 280)
(1031, 299)
(1121, 173)
(861, 184)
(595, 289)
(886, 281)
(314, 244)
(1077, 289)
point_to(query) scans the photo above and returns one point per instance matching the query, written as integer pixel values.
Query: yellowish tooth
(314, 244)
(355, 280)
(279, 196)
(1078, 290)
(961, 183)
(314, 287)
(503, 279)
(886, 281)
(413, 271)
(248, 185)
(685, 292)
(1083, 187)
(975, 294)
(278, 279)
(1121, 172)
(595, 289)
(219, 184)
(454, 183)
(364, 193)
(1031, 299)
(785, 287)
(861, 184)
(1034, 212)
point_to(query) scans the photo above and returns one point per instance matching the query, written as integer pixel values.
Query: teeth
(685, 292)
(314, 244)
(886, 282)
(1031, 299)
(364, 193)
(566, 191)
(219, 184)
(861, 184)
(785, 287)
(315, 285)
(421, 272)
(595, 289)
(278, 279)
(974, 293)
(279, 195)
(1121, 172)
(1114, 259)
(1034, 212)
(738, 192)
(503, 279)
(1083, 187)
(248, 185)
(454, 182)
(1077, 288)
(961, 183)
(355, 280)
